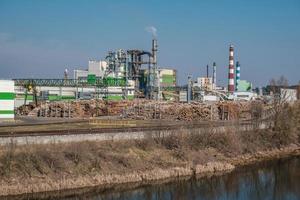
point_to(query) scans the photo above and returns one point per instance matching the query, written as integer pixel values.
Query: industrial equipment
(30, 87)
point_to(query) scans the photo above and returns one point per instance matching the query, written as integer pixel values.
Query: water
(278, 179)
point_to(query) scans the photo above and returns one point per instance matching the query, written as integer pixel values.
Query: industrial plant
(127, 75)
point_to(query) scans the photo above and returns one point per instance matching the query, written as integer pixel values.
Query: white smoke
(152, 30)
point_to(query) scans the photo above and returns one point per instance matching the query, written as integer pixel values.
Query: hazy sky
(39, 39)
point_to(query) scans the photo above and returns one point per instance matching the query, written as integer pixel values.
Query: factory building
(95, 67)
(125, 74)
(116, 77)
(7, 96)
(167, 77)
(288, 95)
(80, 74)
(244, 86)
(244, 96)
(204, 83)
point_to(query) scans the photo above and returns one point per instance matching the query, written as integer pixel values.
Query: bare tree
(282, 117)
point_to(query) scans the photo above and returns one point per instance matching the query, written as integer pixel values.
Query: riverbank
(71, 166)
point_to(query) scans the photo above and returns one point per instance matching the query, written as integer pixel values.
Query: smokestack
(66, 74)
(155, 73)
(189, 89)
(214, 79)
(207, 72)
(237, 74)
(154, 51)
(231, 70)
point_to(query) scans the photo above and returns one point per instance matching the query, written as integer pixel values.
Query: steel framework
(64, 82)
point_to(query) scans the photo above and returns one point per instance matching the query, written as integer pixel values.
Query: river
(277, 179)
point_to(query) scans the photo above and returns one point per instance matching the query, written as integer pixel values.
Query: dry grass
(185, 149)
(122, 157)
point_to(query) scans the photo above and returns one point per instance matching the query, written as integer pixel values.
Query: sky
(41, 38)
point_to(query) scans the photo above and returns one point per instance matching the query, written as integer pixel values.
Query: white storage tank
(7, 99)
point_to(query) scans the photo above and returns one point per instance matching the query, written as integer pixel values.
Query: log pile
(76, 109)
(239, 109)
(173, 111)
(143, 109)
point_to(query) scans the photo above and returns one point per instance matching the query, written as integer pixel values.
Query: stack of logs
(172, 111)
(143, 109)
(75, 109)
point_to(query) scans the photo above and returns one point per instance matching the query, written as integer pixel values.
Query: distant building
(167, 77)
(244, 86)
(95, 67)
(207, 98)
(276, 89)
(289, 95)
(245, 96)
(204, 83)
(296, 87)
(80, 74)
(7, 99)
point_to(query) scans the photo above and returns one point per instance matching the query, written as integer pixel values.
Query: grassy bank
(37, 168)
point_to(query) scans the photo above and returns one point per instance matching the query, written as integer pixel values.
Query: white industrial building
(7, 96)
(288, 95)
(204, 83)
(242, 96)
(80, 74)
(96, 67)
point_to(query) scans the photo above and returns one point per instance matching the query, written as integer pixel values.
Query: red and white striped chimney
(231, 70)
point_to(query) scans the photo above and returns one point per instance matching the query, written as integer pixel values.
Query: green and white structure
(7, 99)
(237, 75)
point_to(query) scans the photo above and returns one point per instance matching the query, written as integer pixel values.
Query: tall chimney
(154, 71)
(214, 79)
(154, 51)
(231, 70)
(207, 72)
(237, 74)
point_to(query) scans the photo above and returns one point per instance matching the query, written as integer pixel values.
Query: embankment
(64, 166)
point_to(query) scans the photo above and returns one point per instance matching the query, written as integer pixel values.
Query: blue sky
(39, 39)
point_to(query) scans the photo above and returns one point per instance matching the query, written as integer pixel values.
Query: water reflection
(278, 179)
